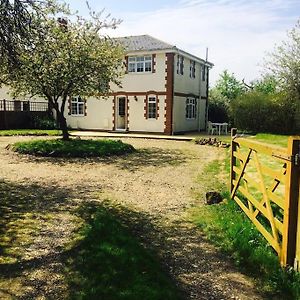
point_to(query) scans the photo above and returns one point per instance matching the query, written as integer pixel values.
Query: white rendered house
(164, 90)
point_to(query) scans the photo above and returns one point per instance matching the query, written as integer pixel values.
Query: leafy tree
(15, 24)
(218, 106)
(284, 63)
(227, 89)
(257, 111)
(65, 59)
(228, 86)
(267, 85)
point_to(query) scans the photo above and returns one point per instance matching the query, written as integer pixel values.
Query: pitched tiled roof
(149, 43)
(143, 42)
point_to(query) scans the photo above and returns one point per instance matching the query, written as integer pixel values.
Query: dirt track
(156, 182)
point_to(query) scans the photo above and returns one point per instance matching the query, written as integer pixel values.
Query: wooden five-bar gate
(264, 182)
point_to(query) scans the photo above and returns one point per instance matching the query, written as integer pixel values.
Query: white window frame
(152, 100)
(191, 108)
(77, 102)
(180, 64)
(139, 64)
(192, 69)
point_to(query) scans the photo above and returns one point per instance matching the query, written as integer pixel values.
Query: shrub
(73, 148)
(218, 107)
(47, 123)
(259, 112)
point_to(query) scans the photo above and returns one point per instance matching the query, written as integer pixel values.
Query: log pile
(212, 142)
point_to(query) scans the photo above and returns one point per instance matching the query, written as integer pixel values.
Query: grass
(110, 263)
(231, 230)
(34, 132)
(73, 148)
(100, 259)
(279, 140)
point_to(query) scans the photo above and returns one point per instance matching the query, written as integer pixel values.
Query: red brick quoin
(169, 93)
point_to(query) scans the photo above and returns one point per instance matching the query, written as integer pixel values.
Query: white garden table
(221, 127)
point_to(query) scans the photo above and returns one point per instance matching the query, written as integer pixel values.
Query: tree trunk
(63, 125)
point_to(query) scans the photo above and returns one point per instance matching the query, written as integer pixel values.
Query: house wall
(136, 87)
(142, 82)
(184, 87)
(98, 115)
(170, 88)
(137, 111)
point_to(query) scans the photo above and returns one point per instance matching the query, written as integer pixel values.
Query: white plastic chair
(211, 129)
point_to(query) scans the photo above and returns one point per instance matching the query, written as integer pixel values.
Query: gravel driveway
(157, 182)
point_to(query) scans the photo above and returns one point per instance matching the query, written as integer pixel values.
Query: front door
(121, 113)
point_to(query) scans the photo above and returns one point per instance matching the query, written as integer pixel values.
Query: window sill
(77, 115)
(140, 73)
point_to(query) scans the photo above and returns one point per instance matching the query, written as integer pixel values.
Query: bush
(73, 148)
(259, 112)
(218, 107)
(47, 123)
(217, 111)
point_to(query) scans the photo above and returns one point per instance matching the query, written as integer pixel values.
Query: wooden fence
(264, 182)
(19, 114)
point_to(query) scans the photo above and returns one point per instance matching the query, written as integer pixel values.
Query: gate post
(232, 158)
(297, 255)
(290, 218)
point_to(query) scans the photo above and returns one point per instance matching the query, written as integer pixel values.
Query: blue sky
(238, 33)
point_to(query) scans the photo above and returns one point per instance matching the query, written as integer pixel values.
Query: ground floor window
(77, 106)
(152, 108)
(191, 108)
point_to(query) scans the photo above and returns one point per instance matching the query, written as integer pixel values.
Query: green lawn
(229, 228)
(110, 263)
(101, 257)
(277, 139)
(35, 132)
(73, 148)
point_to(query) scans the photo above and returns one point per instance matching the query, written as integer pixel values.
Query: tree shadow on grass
(56, 248)
(108, 264)
(32, 236)
(146, 157)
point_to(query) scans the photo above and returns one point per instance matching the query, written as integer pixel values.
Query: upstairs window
(152, 108)
(192, 69)
(139, 64)
(77, 106)
(191, 108)
(180, 64)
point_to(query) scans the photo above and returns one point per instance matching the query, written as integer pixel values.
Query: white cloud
(238, 33)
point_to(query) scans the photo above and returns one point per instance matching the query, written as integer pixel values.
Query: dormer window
(139, 64)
